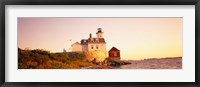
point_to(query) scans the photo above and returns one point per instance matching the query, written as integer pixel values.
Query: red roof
(114, 49)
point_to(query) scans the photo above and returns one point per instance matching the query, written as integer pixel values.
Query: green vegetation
(41, 59)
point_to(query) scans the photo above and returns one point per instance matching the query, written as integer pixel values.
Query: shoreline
(154, 63)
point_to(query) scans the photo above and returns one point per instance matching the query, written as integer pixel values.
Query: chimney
(90, 35)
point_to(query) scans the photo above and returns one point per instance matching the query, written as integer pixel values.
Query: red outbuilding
(114, 53)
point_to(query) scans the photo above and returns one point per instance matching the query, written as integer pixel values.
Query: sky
(136, 38)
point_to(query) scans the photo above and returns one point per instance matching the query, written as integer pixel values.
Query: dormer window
(97, 40)
(92, 40)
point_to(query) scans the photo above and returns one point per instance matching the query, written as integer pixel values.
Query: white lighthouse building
(91, 44)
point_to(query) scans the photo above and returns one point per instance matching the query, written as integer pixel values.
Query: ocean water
(165, 63)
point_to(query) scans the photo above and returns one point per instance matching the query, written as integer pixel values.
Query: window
(97, 47)
(97, 40)
(115, 53)
(92, 40)
(92, 47)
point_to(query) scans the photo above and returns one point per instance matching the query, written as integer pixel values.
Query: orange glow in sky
(136, 38)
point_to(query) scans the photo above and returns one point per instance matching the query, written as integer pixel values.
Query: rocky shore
(154, 63)
(108, 64)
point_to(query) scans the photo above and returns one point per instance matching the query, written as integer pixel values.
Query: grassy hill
(41, 59)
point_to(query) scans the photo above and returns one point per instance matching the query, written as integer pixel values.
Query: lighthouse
(92, 43)
(99, 33)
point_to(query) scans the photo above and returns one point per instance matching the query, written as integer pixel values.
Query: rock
(97, 67)
(116, 63)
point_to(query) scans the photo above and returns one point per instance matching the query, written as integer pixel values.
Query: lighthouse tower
(99, 33)
(92, 43)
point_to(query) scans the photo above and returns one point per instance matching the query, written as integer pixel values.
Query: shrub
(41, 59)
(76, 55)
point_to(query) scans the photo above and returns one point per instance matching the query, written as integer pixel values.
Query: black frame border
(98, 2)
